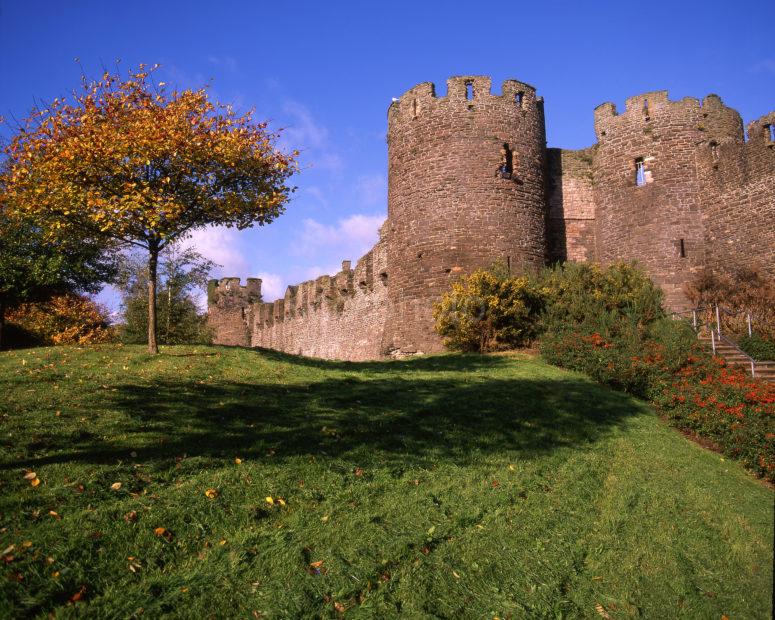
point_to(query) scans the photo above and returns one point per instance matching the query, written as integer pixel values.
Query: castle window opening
(469, 90)
(640, 172)
(683, 249)
(507, 161)
(519, 98)
(414, 108)
(714, 150)
(770, 132)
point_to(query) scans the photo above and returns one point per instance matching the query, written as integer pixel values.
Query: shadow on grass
(387, 413)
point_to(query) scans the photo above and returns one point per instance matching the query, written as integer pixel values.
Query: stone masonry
(674, 185)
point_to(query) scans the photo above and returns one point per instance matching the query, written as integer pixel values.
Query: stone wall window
(507, 161)
(714, 151)
(682, 249)
(770, 132)
(640, 172)
(519, 98)
(469, 90)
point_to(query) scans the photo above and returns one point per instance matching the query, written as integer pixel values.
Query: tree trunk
(2, 322)
(153, 260)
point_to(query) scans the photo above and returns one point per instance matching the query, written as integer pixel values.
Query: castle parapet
(714, 120)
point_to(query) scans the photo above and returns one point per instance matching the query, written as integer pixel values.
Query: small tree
(182, 271)
(35, 266)
(129, 160)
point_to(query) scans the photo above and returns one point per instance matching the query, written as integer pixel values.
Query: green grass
(441, 487)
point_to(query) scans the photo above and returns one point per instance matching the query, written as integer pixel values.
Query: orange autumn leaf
(211, 493)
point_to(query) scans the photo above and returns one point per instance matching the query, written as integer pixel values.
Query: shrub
(488, 311)
(579, 292)
(63, 319)
(745, 290)
(757, 347)
(727, 406)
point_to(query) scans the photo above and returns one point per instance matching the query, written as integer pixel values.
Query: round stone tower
(466, 189)
(649, 173)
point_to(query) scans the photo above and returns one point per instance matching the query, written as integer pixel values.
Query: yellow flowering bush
(488, 311)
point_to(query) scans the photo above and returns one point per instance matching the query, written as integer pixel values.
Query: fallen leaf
(115, 486)
(324, 518)
(317, 564)
(238, 461)
(31, 475)
(512, 468)
(8, 549)
(358, 471)
(222, 541)
(35, 482)
(269, 500)
(339, 607)
(78, 595)
(27, 544)
(55, 574)
(54, 514)
(601, 611)
(211, 493)
(131, 516)
(281, 501)
(454, 573)
(495, 483)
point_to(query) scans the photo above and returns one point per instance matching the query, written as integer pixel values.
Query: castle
(674, 185)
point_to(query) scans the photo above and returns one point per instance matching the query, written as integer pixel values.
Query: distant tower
(649, 174)
(466, 189)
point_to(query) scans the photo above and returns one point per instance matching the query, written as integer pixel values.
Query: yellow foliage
(487, 311)
(140, 163)
(64, 319)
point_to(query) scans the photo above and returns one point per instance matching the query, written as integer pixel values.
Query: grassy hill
(448, 487)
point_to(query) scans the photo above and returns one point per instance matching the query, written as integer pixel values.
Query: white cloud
(220, 245)
(272, 286)
(766, 65)
(350, 237)
(305, 134)
(372, 189)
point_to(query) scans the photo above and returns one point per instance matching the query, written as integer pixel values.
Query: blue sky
(326, 72)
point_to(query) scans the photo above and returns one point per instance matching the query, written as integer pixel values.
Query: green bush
(577, 293)
(757, 347)
(488, 311)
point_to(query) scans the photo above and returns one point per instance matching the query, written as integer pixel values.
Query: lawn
(255, 484)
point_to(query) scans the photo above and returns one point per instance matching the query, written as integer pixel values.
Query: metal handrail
(715, 334)
(735, 346)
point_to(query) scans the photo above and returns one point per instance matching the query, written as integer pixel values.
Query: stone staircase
(734, 357)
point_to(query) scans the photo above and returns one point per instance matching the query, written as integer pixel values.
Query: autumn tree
(36, 265)
(127, 159)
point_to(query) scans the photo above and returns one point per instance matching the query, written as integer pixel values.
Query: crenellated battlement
(673, 185)
(230, 291)
(759, 131)
(655, 109)
(469, 93)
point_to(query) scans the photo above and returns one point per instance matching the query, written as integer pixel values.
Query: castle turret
(229, 309)
(648, 172)
(466, 189)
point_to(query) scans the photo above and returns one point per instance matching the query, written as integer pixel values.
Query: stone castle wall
(658, 223)
(465, 189)
(570, 225)
(333, 317)
(471, 182)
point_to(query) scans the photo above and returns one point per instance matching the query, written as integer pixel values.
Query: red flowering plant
(726, 405)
